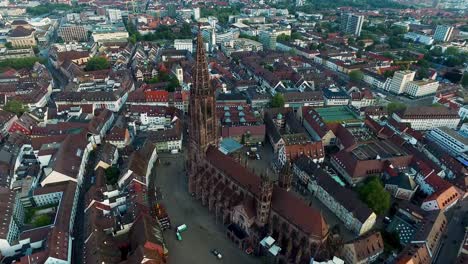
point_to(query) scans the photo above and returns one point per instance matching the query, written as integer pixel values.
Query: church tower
(264, 201)
(203, 125)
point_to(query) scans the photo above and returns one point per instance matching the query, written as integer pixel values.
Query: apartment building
(351, 24)
(400, 80)
(421, 87)
(443, 33)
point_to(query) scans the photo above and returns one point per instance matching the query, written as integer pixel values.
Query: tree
(464, 80)
(8, 45)
(356, 75)
(296, 35)
(453, 61)
(283, 37)
(394, 107)
(422, 73)
(15, 107)
(277, 100)
(361, 44)
(374, 195)
(97, 63)
(359, 53)
(112, 175)
(388, 74)
(451, 51)
(20, 63)
(423, 63)
(436, 51)
(387, 54)
(42, 220)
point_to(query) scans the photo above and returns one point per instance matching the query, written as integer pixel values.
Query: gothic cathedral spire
(203, 123)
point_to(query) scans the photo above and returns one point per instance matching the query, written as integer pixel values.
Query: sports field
(336, 114)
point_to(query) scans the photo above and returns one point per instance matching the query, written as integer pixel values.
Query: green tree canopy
(15, 107)
(464, 80)
(356, 75)
(42, 220)
(19, 63)
(277, 100)
(283, 37)
(112, 175)
(97, 63)
(451, 51)
(374, 195)
(394, 107)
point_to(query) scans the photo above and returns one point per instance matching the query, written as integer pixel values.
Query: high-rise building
(400, 80)
(351, 24)
(268, 39)
(443, 33)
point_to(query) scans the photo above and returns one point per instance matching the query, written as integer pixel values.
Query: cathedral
(251, 207)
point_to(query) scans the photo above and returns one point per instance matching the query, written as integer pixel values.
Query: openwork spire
(201, 81)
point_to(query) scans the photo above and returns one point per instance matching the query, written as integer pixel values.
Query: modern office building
(399, 81)
(351, 24)
(443, 33)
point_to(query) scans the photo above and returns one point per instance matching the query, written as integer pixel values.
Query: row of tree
(162, 32)
(19, 63)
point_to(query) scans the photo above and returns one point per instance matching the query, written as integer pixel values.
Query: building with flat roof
(183, 44)
(421, 87)
(454, 142)
(268, 39)
(443, 33)
(400, 80)
(427, 117)
(109, 33)
(351, 24)
(71, 33)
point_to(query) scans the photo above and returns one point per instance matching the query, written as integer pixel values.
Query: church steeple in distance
(203, 123)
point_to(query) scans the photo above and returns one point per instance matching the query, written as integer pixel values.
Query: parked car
(216, 254)
(257, 156)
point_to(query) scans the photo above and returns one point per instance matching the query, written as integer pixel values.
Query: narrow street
(457, 221)
(78, 228)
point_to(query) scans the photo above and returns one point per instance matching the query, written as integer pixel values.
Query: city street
(203, 234)
(451, 241)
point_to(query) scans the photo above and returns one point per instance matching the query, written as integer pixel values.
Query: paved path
(451, 241)
(203, 233)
